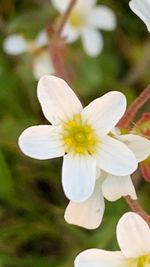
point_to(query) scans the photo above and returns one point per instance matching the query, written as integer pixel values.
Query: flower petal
(70, 33)
(138, 144)
(89, 213)
(59, 103)
(103, 18)
(41, 142)
(115, 187)
(92, 42)
(42, 65)
(42, 39)
(101, 258)
(78, 176)
(15, 44)
(84, 8)
(133, 235)
(115, 157)
(104, 112)
(60, 5)
(142, 10)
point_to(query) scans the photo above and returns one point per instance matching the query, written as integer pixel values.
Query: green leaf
(6, 181)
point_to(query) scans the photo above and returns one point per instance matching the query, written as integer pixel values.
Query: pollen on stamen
(79, 137)
(144, 261)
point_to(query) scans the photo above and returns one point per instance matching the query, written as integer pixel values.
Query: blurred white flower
(133, 235)
(142, 9)
(16, 44)
(89, 214)
(42, 64)
(80, 135)
(85, 20)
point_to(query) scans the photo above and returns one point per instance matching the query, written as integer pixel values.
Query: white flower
(85, 20)
(142, 9)
(80, 135)
(42, 64)
(89, 213)
(138, 144)
(16, 44)
(133, 235)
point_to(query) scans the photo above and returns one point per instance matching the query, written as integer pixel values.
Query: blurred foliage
(33, 232)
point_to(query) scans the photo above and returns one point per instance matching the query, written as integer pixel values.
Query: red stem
(136, 207)
(57, 44)
(65, 17)
(134, 108)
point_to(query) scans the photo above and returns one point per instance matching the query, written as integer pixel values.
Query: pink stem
(136, 207)
(134, 108)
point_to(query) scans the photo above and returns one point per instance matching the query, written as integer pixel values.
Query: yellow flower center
(79, 137)
(76, 19)
(144, 261)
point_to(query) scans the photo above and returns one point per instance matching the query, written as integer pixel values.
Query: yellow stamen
(144, 261)
(79, 136)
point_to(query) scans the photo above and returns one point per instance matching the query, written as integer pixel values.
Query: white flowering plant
(90, 60)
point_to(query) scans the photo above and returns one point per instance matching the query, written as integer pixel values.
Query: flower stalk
(57, 45)
(65, 18)
(125, 123)
(134, 108)
(136, 207)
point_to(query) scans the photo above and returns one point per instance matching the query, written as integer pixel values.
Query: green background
(33, 232)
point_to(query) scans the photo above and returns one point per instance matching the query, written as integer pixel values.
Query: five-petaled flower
(133, 235)
(80, 135)
(16, 44)
(142, 9)
(89, 213)
(85, 20)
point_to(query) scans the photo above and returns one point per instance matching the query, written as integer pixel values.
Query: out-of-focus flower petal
(42, 39)
(42, 65)
(103, 18)
(15, 44)
(92, 41)
(70, 33)
(60, 5)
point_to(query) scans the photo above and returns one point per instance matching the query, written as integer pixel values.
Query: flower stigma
(79, 137)
(144, 261)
